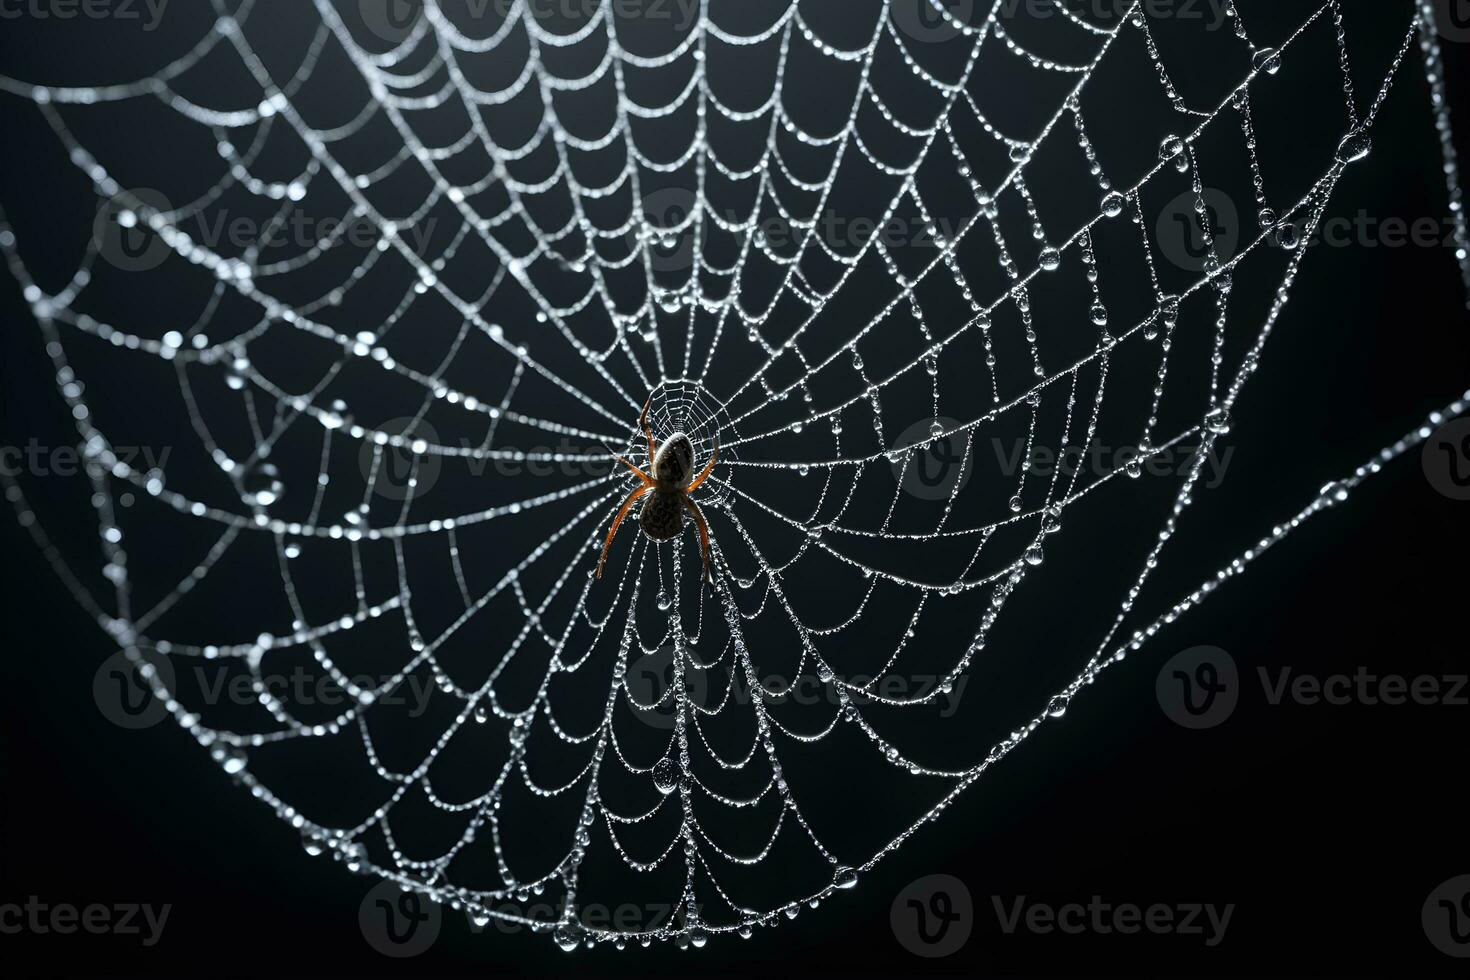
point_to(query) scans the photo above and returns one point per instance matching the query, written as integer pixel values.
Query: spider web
(396, 435)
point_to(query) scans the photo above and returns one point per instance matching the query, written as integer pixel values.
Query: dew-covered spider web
(392, 281)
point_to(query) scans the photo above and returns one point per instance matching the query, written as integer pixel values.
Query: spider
(662, 516)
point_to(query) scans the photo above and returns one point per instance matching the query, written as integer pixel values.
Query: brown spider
(662, 516)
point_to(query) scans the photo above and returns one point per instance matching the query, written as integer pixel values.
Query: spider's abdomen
(662, 516)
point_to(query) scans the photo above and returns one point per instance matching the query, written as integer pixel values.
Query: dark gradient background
(1325, 826)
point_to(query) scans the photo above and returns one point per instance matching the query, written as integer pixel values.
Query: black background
(1325, 826)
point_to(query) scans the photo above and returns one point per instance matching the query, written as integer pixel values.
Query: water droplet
(1113, 203)
(262, 485)
(1218, 420)
(1267, 217)
(1134, 468)
(1034, 555)
(1354, 147)
(1171, 148)
(1099, 314)
(1267, 60)
(482, 714)
(665, 778)
(1334, 493)
(1057, 706)
(567, 936)
(845, 878)
(1016, 504)
(1051, 259)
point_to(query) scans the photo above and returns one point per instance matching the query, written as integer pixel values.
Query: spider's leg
(612, 531)
(703, 534)
(714, 455)
(643, 424)
(642, 476)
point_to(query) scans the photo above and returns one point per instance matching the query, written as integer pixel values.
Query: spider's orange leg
(646, 480)
(703, 534)
(612, 531)
(714, 455)
(643, 424)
